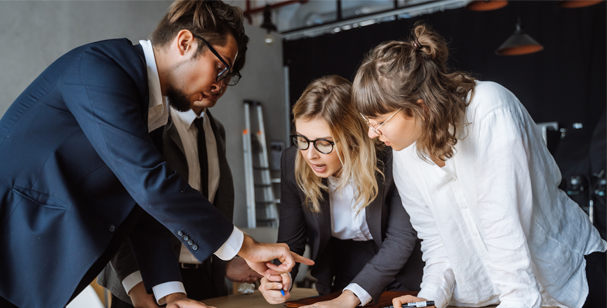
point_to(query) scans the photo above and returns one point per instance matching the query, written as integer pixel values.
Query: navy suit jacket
(75, 160)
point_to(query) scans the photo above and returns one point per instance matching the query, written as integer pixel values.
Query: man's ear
(185, 42)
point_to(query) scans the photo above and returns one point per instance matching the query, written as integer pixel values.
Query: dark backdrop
(566, 82)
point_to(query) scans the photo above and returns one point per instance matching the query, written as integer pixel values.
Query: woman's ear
(421, 103)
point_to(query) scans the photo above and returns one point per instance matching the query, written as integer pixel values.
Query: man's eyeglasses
(374, 126)
(229, 78)
(323, 146)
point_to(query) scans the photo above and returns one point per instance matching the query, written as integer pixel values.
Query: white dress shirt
(494, 226)
(158, 115)
(348, 224)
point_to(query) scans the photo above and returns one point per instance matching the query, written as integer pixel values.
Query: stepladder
(262, 205)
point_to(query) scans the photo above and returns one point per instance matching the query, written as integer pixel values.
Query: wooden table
(255, 300)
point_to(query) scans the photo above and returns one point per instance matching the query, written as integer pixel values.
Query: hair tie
(417, 45)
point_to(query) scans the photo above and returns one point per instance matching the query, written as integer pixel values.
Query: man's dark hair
(212, 20)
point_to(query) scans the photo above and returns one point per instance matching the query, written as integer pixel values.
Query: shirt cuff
(164, 289)
(232, 246)
(131, 281)
(362, 295)
(432, 293)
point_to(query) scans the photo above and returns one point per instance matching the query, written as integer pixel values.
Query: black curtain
(566, 82)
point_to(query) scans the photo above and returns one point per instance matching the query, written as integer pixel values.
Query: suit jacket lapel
(173, 150)
(374, 213)
(224, 198)
(323, 222)
(146, 108)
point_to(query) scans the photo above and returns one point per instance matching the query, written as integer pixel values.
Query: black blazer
(399, 254)
(124, 263)
(75, 159)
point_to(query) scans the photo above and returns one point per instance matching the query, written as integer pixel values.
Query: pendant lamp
(486, 5)
(519, 43)
(268, 25)
(578, 3)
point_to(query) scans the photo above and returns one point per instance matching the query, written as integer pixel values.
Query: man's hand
(270, 288)
(180, 300)
(258, 256)
(238, 270)
(347, 299)
(140, 298)
(399, 301)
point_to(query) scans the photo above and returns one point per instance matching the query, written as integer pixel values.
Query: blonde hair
(397, 74)
(329, 98)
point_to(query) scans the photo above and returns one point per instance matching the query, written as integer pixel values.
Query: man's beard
(178, 99)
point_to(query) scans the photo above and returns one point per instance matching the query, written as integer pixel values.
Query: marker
(418, 304)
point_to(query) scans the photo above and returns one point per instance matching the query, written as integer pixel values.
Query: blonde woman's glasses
(374, 126)
(323, 146)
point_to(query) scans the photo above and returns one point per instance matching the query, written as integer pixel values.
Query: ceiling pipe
(249, 11)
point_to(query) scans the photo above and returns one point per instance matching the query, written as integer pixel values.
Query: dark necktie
(202, 158)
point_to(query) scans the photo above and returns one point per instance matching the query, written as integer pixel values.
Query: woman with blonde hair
(337, 188)
(479, 183)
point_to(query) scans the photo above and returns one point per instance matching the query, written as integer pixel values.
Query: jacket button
(179, 233)
(185, 238)
(194, 247)
(190, 242)
(111, 228)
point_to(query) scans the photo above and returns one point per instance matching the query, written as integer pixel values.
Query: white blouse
(347, 223)
(494, 226)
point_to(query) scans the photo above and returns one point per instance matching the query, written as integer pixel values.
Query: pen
(418, 304)
(282, 292)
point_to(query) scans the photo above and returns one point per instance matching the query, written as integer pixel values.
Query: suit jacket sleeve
(103, 96)
(292, 229)
(394, 252)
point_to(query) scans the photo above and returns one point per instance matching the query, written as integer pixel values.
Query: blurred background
(550, 54)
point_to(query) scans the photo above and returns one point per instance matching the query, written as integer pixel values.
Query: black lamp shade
(578, 3)
(519, 43)
(486, 5)
(267, 20)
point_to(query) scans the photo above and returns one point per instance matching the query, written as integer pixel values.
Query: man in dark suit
(181, 144)
(80, 172)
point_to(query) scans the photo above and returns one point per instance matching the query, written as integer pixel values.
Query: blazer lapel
(224, 198)
(145, 110)
(173, 150)
(323, 222)
(374, 213)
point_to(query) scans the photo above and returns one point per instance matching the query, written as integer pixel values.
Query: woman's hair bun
(426, 40)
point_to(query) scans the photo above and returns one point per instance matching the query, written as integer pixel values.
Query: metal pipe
(249, 11)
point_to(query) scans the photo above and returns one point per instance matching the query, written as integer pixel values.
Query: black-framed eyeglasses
(228, 77)
(323, 146)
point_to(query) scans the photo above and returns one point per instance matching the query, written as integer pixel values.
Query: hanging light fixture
(268, 25)
(578, 3)
(486, 5)
(519, 43)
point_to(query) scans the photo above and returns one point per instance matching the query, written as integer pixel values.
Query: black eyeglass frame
(226, 71)
(294, 136)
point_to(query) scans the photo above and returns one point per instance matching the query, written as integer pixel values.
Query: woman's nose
(372, 134)
(312, 153)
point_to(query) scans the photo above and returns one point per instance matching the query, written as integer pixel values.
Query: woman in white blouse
(479, 183)
(337, 193)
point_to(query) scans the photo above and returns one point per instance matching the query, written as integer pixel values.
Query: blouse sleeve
(502, 142)
(438, 280)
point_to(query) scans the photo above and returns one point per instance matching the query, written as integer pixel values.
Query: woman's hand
(270, 288)
(399, 301)
(347, 299)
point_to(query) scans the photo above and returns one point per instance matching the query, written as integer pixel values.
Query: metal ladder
(263, 212)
